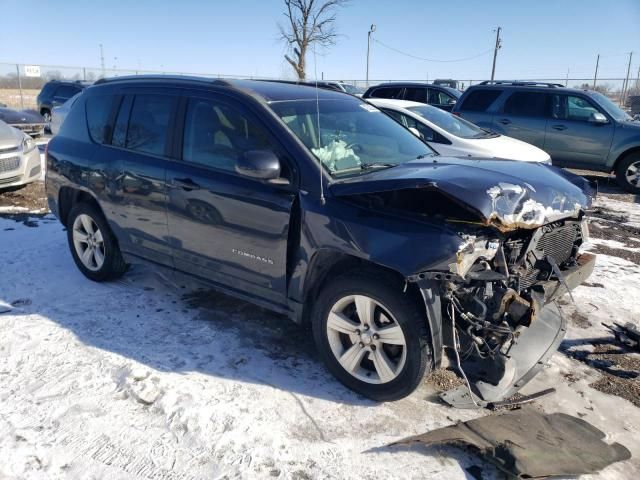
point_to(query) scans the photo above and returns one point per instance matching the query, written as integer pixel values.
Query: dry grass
(11, 97)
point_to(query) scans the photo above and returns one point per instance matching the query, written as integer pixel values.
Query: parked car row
(578, 128)
(320, 206)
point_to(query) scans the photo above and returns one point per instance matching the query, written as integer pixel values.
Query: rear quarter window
(479, 100)
(98, 113)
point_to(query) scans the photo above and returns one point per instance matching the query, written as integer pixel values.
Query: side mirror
(259, 164)
(415, 131)
(597, 117)
(451, 101)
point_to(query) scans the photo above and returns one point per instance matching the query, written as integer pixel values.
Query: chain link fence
(19, 84)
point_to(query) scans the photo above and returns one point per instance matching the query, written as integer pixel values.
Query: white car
(453, 136)
(59, 113)
(19, 158)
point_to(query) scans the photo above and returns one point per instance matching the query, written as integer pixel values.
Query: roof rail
(142, 78)
(521, 83)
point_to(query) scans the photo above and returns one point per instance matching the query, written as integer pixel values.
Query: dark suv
(577, 128)
(436, 95)
(56, 92)
(317, 205)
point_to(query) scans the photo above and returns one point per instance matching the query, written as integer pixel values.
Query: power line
(430, 59)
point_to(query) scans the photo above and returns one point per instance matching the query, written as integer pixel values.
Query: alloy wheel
(88, 242)
(366, 339)
(632, 174)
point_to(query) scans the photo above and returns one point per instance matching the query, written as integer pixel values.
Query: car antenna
(315, 73)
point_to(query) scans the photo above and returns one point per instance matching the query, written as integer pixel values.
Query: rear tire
(628, 173)
(385, 354)
(93, 245)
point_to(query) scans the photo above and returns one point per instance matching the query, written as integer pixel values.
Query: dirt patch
(628, 255)
(443, 380)
(629, 390)
(619, 367)
(31, 197)
(580, 320)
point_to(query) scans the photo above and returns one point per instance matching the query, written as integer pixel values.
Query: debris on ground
(627, 334)
(527, 443)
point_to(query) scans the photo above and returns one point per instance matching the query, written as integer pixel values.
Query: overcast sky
(541, 39)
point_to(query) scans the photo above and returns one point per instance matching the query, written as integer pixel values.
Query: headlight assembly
(28, 144)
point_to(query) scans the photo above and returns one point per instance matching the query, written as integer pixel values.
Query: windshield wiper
(372, 165)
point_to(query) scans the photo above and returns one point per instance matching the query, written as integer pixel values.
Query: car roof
(389, 102)
(414, 84)
(79, 83)
(526, 85)
(267, 91)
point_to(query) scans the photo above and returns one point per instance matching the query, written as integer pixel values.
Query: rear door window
(416, 94)
(480, 100)
(387, 92)
(98, 116)
(148, 123)
(526, 104)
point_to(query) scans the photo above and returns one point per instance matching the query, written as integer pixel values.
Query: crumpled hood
(11, 116)
(506, 194)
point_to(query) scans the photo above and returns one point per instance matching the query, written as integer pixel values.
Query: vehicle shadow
(148, 318)
(608, 185)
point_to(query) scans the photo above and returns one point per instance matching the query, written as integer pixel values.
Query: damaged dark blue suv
(317, 205)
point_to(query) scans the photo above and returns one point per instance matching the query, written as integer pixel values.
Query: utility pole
(102, 59)
(595, 75)
(495, 52)
(626, 81)
(371, 30)
(20, 87)
(566, 81)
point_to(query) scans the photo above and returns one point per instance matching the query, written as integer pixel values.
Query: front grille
(9, 164)
(5, 181)
(557, 241)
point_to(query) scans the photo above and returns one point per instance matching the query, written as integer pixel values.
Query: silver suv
(577, 128)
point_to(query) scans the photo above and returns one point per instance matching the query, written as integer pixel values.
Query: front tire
(628, 173)
(372, 336)
(92, 244)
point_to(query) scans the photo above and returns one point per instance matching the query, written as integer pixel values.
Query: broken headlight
(472, 251)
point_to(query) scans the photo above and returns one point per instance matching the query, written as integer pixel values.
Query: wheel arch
(327, 264)
(623, 155)
(70, 196)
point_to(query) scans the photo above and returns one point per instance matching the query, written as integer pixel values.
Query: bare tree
(308, 22)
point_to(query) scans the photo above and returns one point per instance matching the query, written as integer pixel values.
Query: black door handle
(504, 121)
(185, 183)
(559, 127)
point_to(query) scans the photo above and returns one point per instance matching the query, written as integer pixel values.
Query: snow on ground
(141, 378)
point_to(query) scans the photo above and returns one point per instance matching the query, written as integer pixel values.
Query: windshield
(354, 136)
(612, 109)
(450, 123)
(352, 89)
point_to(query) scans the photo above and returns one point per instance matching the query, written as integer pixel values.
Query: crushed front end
(499, 318)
